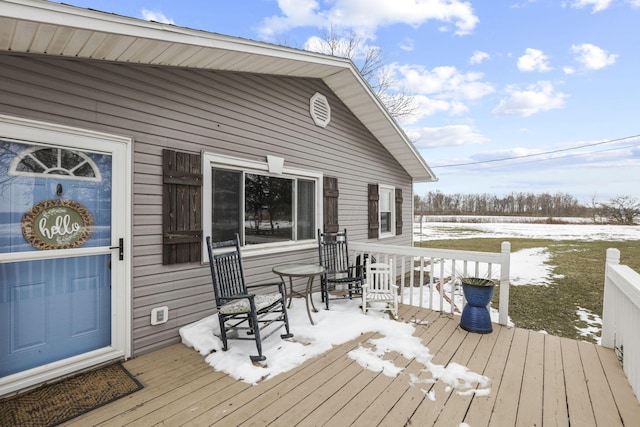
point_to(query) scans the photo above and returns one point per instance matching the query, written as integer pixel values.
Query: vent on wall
(320, 110)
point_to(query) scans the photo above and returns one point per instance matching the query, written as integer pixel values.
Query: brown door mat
(55, 403)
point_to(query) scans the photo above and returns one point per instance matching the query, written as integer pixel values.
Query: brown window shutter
(374, 222)
(330, 203)
(181, 207)
(398, 211)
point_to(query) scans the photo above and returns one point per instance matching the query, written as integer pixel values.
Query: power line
(537, 154)
(538, 161)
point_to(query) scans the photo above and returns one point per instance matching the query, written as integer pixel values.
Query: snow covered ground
(468, 230)
(531, 266)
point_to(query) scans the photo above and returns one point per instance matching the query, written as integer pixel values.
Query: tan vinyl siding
(242, 115)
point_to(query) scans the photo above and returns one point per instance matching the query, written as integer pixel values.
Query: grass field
(554, 308)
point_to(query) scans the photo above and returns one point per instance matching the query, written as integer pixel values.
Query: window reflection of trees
(262, 209)
(37, 161)
(227, 210)
(268, 209)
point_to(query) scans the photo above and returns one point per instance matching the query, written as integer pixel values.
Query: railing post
(608, 334)
(505, 260)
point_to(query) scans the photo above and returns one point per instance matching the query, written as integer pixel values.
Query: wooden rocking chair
(236, 305)
(341, 279)
(380, 291)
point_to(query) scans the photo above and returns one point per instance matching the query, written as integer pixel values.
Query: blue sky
(550, 82)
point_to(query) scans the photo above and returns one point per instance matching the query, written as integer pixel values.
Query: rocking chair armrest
(249, 296)
(280, 285)
(262, 285)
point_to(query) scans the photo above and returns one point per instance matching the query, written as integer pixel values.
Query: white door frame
(121, 150)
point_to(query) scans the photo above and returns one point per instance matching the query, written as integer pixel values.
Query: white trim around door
(120, 148)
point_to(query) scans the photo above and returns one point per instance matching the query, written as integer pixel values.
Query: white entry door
(64, 269)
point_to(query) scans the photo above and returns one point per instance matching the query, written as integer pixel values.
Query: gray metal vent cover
(320, 110)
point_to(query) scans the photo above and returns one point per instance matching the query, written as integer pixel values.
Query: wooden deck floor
(536, 380)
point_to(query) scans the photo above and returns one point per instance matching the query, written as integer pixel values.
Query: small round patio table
(300, 270)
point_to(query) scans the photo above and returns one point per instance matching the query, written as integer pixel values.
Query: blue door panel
(26, 314)
(52, 322)
(84, 306)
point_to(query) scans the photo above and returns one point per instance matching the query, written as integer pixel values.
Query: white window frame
(392, 200)
(210, 160)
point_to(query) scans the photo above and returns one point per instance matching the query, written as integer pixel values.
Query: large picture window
(263, 208)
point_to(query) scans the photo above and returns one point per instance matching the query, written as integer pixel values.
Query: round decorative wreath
(77, 239)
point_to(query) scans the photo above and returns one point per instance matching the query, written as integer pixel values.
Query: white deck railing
(621, 316)
(434, 283)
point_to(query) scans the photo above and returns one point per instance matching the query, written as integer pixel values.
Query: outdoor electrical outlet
(159, 315)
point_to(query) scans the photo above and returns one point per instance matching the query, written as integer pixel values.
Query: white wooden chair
(380, 291)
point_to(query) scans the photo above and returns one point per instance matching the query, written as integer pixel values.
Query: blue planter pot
(475, 315)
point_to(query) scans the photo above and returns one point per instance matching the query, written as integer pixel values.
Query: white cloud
(427, 106)
(408, 44)
(445, 82)
(370, 14)
(479, 56)
(568, 70)
(295, 13)
(593, 57)
(446, 136)
(533, 60)
(442, 89)
(521, 5)
(598, 5)
(535, 99)
(634, 3)
(157, 16)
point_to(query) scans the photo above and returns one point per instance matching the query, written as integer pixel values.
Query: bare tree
(371, 63)
(596, 210)
(621, 209)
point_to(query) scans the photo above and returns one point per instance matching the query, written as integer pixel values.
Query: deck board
(394, 392)
(579, 406)
(532, 383)
(373, 391)
(463, 346)
(554, 398)
(278, 394)
(413, 394)
(508, 395)
(481, 407)
(455, 410)
(536, 379)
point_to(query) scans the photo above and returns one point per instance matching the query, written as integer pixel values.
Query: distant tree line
(620, 210)
(517, 204)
